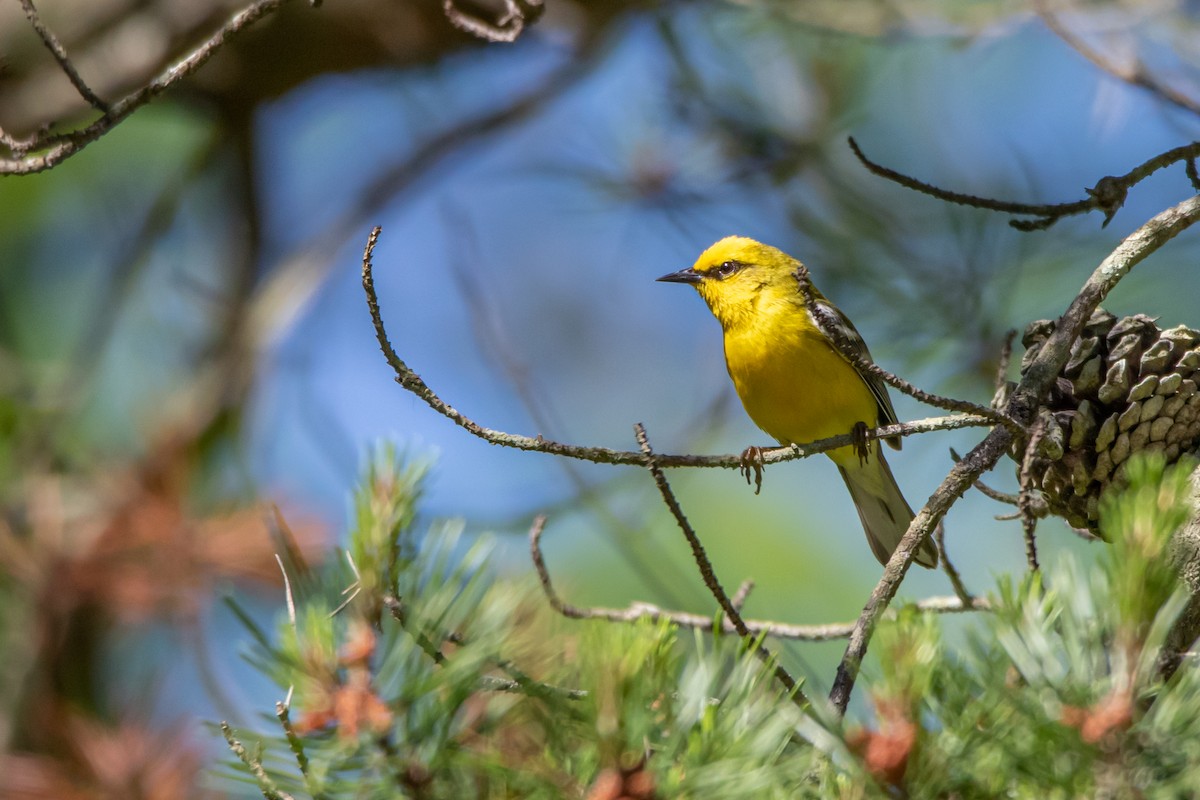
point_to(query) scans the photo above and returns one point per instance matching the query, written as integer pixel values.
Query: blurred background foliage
(183, 340)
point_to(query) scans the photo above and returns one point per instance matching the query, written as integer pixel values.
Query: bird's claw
(862, 445)
(752, 464)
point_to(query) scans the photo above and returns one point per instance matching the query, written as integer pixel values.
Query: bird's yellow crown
(739, 277)
(739, 249)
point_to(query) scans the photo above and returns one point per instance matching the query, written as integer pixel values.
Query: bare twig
(779, 630)
(1028, 499)
(506, 28)
(1026, 398)
(399, 613)
(518, 680)
(64, 145)
(995, 494)
(265, 784)
(985, 489)
(956, 581)
(743, 591)
(1107, 195)
(960, 198)
(1135, 74)
(60, 55)
(520, 683)
(710, 577)
(602, 455)
(982, 458)
(539, 566)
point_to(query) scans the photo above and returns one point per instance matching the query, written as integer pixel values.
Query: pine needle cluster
(411, 671)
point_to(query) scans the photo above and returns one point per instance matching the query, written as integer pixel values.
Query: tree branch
(710, 578)
(966, 599)
(505, 28)
(1022, 406)
(1135, 75)
(64, 145)
(1108, 195)
(603, 455)
(265, 785)
(518, 681)
(778, 630)
(60, 55)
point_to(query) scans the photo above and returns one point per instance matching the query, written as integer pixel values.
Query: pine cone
(1128, 387)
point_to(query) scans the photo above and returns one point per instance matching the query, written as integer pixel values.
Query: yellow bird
(793, 380)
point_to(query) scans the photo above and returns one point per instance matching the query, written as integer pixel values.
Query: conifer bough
(1128, 387)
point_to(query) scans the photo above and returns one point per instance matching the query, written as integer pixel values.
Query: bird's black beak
(688, 275)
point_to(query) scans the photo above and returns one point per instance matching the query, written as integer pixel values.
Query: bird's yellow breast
(794, 385)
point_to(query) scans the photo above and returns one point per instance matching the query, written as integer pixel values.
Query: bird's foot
(862, 445)
(752, 464)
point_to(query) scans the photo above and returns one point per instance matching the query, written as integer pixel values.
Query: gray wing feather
(831, 315)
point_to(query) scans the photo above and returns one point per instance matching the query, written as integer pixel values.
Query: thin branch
(779, 630)
(986, 490)
(265, 784)
(518, 680)
(956, 581)
(961, 477)
(1027, 500)
(506, 28)
(960, 198)
(602, 455)
(63, 146)
(1108, 195)
(1135, 74)
(60, 55)
(710, 577)
(1026, 398)
(995, 494)
(539, 566)
(743, 591)
(399, 613)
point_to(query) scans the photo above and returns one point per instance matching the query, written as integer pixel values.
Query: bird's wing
(830, 316)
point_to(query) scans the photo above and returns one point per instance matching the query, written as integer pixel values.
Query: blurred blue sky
(531, 256)
(516, 277)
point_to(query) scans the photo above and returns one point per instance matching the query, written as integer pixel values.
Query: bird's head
(738, 276)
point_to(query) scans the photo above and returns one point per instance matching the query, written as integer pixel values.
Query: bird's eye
(728, 268)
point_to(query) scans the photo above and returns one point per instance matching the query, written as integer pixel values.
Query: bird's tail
(884, 512)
